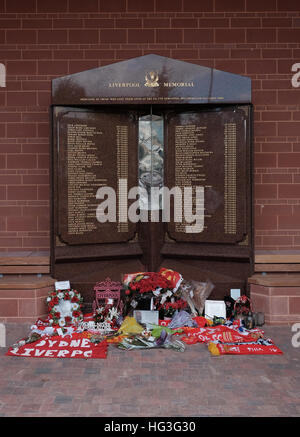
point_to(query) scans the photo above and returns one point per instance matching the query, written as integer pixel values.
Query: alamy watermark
(2, 335)
(2, 76)
(296, 77)
(296, 336)
(188, 205)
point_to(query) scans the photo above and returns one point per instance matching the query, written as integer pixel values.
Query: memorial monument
(152, 167)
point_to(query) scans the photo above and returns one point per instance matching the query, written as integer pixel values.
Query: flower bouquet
(151, 290)
(168, 309)
(109, 314)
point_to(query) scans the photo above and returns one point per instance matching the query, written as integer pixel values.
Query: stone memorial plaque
(209, 155)
(93, 153)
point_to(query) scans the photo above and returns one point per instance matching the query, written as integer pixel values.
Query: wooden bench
(277, 262)
(24, 263)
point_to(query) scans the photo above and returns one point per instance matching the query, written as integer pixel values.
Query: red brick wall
(43, 39)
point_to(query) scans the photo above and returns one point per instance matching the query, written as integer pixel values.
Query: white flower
(71, 293)
(157, 292)
(61, 322)
(163, 299)
(60, 295)
(75, 306)
(49, 299)
(113, 313)
(65, 308)
(50, 321)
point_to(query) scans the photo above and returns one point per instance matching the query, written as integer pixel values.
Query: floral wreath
(64, 307)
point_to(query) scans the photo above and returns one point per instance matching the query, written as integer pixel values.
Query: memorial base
(277, 296)
(23, 297)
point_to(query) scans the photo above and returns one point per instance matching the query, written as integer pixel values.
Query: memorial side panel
(93, 150)
(207, 157)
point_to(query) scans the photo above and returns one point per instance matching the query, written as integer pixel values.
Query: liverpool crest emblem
(151, 79)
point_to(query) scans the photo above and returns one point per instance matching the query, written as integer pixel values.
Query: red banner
(218, 333)
(232, 339)
(74, 346)
(244, 349)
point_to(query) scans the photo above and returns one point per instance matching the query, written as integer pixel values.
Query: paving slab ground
(154, 383)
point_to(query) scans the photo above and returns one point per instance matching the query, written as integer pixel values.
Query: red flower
(57, 315)
(55, 301)
(74, 299)
(150, 281)
(76, 313)
(127, 292)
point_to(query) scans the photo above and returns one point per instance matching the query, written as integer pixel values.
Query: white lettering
(76, 352)
(166, 194)
(296, 76)
(138, 210)
(2, 76)
(109, 204)
(133, 214)
(50, 352)
(62, 353)
(27, 352)
(188, 205)
(52, 343)
(296, 337)
(124, 427)
(123, 204)
(39, 353)
(75, 343)
(85, 342)
(41, 343)
(2, 335)
(63, 344)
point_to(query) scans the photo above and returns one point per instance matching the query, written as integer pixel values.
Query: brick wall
(43, 39)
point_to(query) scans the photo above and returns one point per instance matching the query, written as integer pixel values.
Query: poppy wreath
(64, 307)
